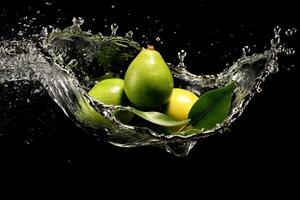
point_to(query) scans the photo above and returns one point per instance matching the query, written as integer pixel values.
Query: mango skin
(148, 81)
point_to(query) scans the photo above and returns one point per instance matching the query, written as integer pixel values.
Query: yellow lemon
(180, 103)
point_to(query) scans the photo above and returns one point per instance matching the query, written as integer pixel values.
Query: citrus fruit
(180, 104)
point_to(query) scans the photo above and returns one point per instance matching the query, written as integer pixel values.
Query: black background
(263, 139)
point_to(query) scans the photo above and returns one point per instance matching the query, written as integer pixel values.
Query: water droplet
(129, 34)
(275, 41)
(48, 3)
(277, 30)
(20, 33)
(114, 27)
(259, 90)
(72, 63)
(28, 100)
(157, 39)
(246, 50)
(100, 34)
(38, 12)
(77, 21)
(294, 30)
(44, 32)
(181, 56)
(28, 141)
(290, 51)
(281, 48)
(50, 28)
(289, 32)
(113, 6)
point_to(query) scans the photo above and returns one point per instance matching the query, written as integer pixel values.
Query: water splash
(129, 34)
(246, 50)
(77, 21)
(114, 27)
(67, 77)
(181, 56)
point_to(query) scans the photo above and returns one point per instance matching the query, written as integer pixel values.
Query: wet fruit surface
(109, 91)
(148, 80)
(180, 103)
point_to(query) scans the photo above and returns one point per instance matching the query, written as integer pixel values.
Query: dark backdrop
(263, 139)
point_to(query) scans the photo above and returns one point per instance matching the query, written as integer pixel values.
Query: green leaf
(212, 108)
(157, 118)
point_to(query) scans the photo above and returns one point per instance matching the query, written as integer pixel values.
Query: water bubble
(38, 12)
(28, 100)
(114, 27)
(181, 56)
(157, 39)
(77, 21)
(113, 6)
(294, 30)
(129, 34)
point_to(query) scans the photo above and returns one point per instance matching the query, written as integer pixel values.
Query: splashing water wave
(67, 63)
